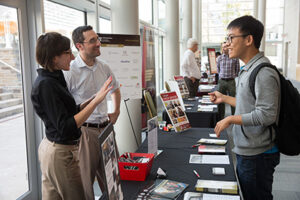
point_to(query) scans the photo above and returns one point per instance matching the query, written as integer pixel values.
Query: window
(274, 30)
(145, 11)
(216, 15)
(62, 19)
(104, 25)
(13, 149)
(161, 14)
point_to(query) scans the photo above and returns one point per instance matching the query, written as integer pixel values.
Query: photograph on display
(175, 111)
(169, 189)
(182, 86)
(212, 60)
(108, 150)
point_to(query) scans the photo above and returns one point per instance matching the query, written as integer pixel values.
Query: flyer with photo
(112, 174)
(182, 86)
(175, 111)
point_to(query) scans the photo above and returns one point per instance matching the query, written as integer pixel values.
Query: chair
(150, 104)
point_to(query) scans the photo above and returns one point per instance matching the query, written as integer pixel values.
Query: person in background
(228, 69)
(256, 153)
(58, 151)
(87, 75)
(189, 67)
(217, 54)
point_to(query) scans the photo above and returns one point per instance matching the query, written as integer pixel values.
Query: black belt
(227, 79)
(102, 125)
(68, 142)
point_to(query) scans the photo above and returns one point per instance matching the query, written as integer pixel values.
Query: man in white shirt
(189, 67)
(86, 76)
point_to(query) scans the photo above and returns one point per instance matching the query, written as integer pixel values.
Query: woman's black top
(55, 105)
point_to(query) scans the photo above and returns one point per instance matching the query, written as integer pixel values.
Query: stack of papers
(209, 159)
(227, 187)
(212, 141)
(206, 108)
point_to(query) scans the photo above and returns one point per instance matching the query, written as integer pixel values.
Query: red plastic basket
(142, 169)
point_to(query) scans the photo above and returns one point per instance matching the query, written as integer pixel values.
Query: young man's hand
(223, 124)
(216, 97)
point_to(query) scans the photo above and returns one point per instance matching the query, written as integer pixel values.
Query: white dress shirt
(83, 82)
(189, 66)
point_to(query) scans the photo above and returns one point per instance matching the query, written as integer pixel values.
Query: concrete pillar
(195, 16)
(186, 22)
(261, 16)
(125, 20)
(200, 25)
(255, 8)
(172, 40)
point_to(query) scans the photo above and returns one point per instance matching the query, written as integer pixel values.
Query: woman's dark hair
(77, 35)
(248, 25)
(48, 46)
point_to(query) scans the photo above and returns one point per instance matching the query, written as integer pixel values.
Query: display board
(212, 60)
(123, 55)
(109, 154)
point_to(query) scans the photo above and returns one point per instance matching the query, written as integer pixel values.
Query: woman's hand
(103, 91)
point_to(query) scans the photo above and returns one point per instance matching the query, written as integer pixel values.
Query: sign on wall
(123, 55)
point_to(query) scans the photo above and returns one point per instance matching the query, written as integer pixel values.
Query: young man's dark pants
(255, 175)
(192, 87)
(227, 87)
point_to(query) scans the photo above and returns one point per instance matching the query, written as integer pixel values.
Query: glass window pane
(104, 25)
(13, 153)
(145, 10)
(161, 14)
(106, 1)
(274, 30)
(62, 19)
(216, 15)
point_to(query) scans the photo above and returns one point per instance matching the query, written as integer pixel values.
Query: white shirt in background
(189, 66)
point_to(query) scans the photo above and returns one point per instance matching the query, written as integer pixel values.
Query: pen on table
(196, 173)
(195, 145)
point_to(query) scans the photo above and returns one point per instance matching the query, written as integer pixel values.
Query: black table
(175, 160)
(197, 119)
(200, 119)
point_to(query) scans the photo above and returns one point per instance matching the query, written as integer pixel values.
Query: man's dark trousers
(192, 87)
(227, 87)
(255, 175)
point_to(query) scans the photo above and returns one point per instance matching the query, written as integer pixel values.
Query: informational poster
(175, 111)
(152, 135)
(212, 60)
(123, 55)
(108, 150)
(182, 86)
(175, 88)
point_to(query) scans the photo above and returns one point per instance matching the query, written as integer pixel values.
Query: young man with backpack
(256, 152)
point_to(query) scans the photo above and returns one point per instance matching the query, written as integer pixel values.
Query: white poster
(124, 57)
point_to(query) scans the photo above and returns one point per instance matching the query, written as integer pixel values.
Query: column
(172, 40)
(195, 16)
(125, 20)
(186, 22)
(261, 16)
(200, 25)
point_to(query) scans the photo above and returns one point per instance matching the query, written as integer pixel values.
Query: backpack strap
(254, 74)
(252, 86)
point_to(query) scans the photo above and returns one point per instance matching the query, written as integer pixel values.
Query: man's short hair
(191, 42)
(77, 35)
(48, 46)
(248, 25)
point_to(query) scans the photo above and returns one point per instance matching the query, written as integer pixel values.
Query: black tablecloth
(175, 160)
(197, 119)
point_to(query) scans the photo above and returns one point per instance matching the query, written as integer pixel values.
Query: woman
(62, 118)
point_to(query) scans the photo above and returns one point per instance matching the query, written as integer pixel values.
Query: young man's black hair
(248, 25)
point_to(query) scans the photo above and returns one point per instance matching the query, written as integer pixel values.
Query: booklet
(182, 86)
(169, 189)
(206, 196)
(212, 141)
(211, 149)
(175, 111)
(209, 159)
(225, 187)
